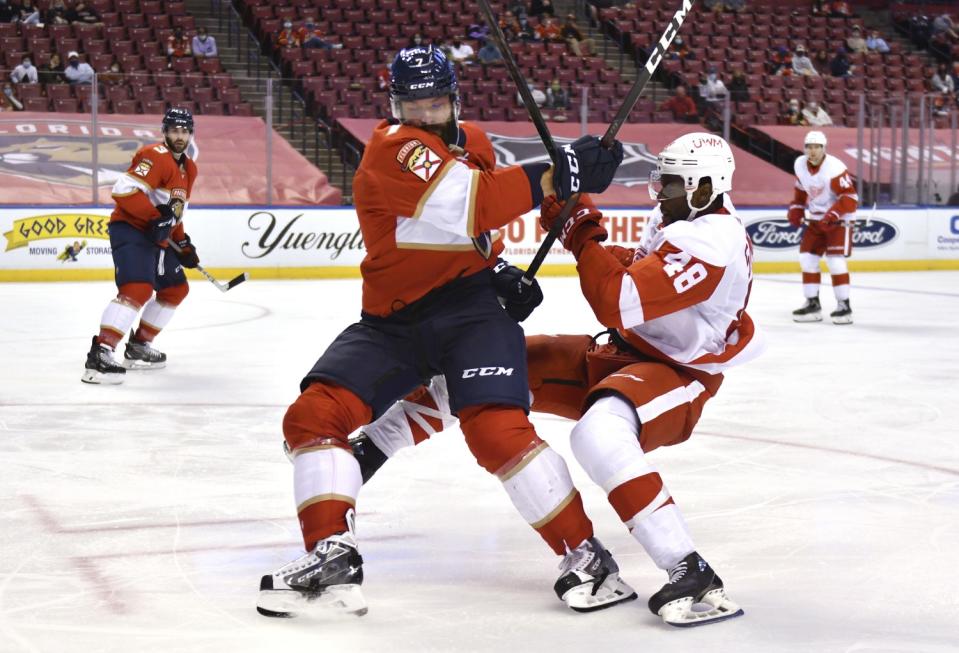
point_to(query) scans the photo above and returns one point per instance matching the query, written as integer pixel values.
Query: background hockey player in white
(825, 200)
(675, 307)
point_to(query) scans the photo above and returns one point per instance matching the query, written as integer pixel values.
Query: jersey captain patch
(423, 162)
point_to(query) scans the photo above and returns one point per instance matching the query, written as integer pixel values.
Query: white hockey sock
(665, 536)
(605, 444)
(539, 485)
(809, 263)
(156, 315)
(324, 473)
(118, 317)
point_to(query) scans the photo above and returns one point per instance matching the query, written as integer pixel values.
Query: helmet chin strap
(695, 210)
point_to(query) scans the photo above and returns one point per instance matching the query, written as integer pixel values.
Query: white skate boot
(590, 579)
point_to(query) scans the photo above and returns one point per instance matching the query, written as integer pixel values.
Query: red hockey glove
(187, 255)
(831, 218)
(582, 225)
(795, 215)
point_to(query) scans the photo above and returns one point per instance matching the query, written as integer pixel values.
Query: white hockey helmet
(693, 157)
(815, 138)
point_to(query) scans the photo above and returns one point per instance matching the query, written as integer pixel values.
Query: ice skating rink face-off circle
(822, 484)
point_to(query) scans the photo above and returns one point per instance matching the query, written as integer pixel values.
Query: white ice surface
(822, 483)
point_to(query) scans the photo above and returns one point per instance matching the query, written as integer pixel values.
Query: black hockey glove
(159, 229)
(187, 254)
(585, 166)
(518, 299)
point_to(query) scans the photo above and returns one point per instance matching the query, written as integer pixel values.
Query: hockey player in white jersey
(825, 200)
(675, 310)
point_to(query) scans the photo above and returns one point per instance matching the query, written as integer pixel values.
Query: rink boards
(70, 243)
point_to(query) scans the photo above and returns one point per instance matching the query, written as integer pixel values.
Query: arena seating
(134, 32)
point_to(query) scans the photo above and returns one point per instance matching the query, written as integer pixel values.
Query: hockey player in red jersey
(675, 308)
(150, 200)
(826, 192)
(430, 202)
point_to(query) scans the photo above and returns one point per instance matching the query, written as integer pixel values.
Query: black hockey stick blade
(534, 113)
(618, 120)
(237, 280)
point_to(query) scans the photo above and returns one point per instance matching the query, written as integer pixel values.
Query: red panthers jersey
(429, 212)
(154, 177)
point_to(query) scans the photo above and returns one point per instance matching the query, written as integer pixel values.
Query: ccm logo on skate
(777, 233)
(469, 373)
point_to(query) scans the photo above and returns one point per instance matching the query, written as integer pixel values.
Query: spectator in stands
(943, 25)
(289, 38)
(7, 11)
(540, 8)
(578, 43)
(735, 6)
(382, 75)
(83, 13)
(819, 7)
(477, 32)
(715, 6)
(416, 40)
(312, 37)
(720, 6)
(178, 45)
(203, 44)
(802, 64)
(57, 14)
(538, 96)
(942, 82)
(556, 96)
(821, 59)
(77, 72)
(27, 13)
(780, 61)
(711, 88)
(793, 116)
(681, 105)
(25, 73)
(52, 73)
(489, 54)
(875, 43)
(739, 86)
(460, 52)
(8, 100)
(855, 42)
(548, 31)
(112, 75)
(680, 50)
(840, 65)
(509, 24)
(815, 115)
(840, 9)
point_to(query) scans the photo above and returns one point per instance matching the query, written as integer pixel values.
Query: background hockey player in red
(826, 192)
(150, 200)
(675, 310)
(429, 201)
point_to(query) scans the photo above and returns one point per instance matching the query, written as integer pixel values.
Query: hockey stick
(221, 286)
(618, 120)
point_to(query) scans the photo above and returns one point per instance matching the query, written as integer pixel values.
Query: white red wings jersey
(154, 177)
(428, 213)
(824, 187)
(683, 298)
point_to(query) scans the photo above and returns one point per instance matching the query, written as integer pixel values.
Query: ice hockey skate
(843, 312)
(140, 355)
(589, 579)
(100, 367)
(811, 311)
(324, 581)
(693, 583)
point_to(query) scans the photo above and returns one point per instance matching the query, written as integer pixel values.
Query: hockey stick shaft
(618, 121)
(527, 96)
(221, 286)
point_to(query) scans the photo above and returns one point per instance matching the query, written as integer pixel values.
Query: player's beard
(176, 149)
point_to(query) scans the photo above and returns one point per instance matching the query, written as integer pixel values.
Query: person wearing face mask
(8, 99)
(77, 72)
(288, 37)
(25, 73)
(712, 90)
(204, 45)
(7, 11)
(460, 52)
